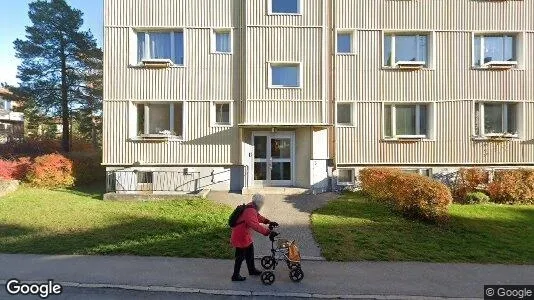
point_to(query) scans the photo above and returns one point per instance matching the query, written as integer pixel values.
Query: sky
(13, 22)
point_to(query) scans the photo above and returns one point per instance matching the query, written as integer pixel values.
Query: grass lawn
(78, 222)
(354, 228)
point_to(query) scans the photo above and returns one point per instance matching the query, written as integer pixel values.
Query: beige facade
(449, 86)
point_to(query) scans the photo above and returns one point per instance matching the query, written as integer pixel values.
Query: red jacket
(251, 219)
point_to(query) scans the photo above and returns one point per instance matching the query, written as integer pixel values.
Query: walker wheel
(293, 265)
(296, 275)
(267, 262)
(267, 277)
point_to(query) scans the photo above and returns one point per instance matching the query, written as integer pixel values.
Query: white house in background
(234, 94)
(11, 122)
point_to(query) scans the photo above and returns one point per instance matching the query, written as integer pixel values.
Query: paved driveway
(292, 212)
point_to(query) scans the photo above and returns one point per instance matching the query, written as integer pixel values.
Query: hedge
(512, 187)
(414, 195)
(469, 180)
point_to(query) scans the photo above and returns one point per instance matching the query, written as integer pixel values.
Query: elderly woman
(249, 220)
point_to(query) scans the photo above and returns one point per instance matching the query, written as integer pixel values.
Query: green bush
(476, 198)
(414, 195)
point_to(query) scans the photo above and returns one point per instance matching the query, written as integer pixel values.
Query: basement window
(345, 177)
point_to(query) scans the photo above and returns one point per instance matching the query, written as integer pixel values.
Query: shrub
(476, 198)
(414, 195)
(51, 170)
(87, 168)
(468, 181)
(512, 187)
(14, 169)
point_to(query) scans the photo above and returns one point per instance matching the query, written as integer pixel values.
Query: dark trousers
(244, 254)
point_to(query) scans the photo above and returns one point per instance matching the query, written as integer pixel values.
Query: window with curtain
(285, 75)
(405, 48)
(344, 42)
(406, 120)
(223, 41)
(285, 6)
(494, 48)
(159, 119)
(344, 113)
(494, 119)
(222, 114)
(161, 45)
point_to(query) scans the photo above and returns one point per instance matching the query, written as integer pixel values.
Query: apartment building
(11, 122)
(236, 94)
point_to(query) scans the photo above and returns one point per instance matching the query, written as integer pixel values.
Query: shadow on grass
(128, 236)
(94, 191)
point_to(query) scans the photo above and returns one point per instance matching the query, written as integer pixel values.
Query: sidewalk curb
(183, 290)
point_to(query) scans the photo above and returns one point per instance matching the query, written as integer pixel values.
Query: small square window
(344, 43)
(345, 177)
(344, 113)
(222, 113)
(222, 41)
(285, 75)
(285, 6)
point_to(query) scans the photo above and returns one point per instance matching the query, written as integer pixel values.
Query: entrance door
(273, 159)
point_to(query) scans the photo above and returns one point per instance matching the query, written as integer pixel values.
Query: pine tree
(58, 62)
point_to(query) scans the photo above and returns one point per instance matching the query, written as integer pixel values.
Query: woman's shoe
(238, 278)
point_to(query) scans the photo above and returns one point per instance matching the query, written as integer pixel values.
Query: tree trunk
(65, 142)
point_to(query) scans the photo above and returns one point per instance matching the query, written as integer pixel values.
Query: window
(145, 177)
(345, 177)
(222, 41)
(284, 6)
(285, 75)
(496, 119)
(344, 113)
(406, 120)
(159, 119)
(222, 113)
(495, 49)
(4, 104)
(160, 45)
(406, 49)
(344, 43)
(423, 172)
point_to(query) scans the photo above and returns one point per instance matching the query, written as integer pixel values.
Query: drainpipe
(332, 70)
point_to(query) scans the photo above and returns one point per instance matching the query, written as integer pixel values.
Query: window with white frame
(495, 49)
(144, 177)
(155, 119)
(406, 49)
(222, 113)
(497, 119)
(407, 120)
(160, 45)
(345, 177)
(344, 114)
(345, 42)
(284, 6)
(222, 41)
(284, 75)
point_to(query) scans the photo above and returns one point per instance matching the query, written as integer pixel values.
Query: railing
(153, 181)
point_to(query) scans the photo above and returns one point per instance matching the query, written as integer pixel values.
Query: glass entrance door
(273, 159)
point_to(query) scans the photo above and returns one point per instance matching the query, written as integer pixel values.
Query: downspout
(332, 70)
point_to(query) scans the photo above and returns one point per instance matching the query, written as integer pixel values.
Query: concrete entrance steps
(275, 191)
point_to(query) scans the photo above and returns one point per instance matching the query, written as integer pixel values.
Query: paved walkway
(359, 279)
(292, 212)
